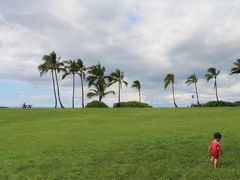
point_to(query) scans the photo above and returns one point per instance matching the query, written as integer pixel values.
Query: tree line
(99, 83)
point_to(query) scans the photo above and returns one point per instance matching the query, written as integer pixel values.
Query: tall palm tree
(82, 73)
(169, 79)
(236, 68)
(44, 68)
(192, 79)
(136, 84)
(58, 67)
(52, 63)
(71, 68)
(212, 73)
(100, 89)
(118, 77)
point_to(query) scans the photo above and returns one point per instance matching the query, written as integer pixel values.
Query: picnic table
(26, 106)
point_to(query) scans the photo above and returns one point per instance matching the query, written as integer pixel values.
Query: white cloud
(146, 39)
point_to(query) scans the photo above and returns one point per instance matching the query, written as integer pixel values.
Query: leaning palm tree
(56, 66)
(52, 63)
(99, 89)
(82, 73)
(236, 68)
(169, 79)
(212, 73)
(136, 84)
(44, 68)
(192, 79)
(118, 77)
(71, 68)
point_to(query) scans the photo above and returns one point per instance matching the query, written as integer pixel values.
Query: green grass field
(117, 143)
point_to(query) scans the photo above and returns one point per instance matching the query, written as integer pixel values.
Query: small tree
(169, 79)
(212, 73)
(136, 84)
(118, 77)
(192, 79)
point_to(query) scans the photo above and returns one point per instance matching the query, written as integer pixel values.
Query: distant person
(215, 149)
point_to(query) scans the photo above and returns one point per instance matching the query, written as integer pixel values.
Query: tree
(136, 84)
(82, 73)
(57, 67)
(97, 80)
(52, 63)
(192, 79)
(118, 77)
(43, 69)
(71, 68)
(100, 89)
(236, 68)
(169, 79)
(212, 73)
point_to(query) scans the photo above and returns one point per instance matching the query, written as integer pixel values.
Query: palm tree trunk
(54, 90)
(216, 90)
(82, 92)
(119, 89)
(139, 93)
(73, 91)
(174, 96)
(197, 94)
(59, 99)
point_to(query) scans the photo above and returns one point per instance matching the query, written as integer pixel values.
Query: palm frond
(168, 80)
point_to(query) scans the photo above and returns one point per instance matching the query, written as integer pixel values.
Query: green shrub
(219, 104)
(131, 104)
(96, 104)
(237, 103)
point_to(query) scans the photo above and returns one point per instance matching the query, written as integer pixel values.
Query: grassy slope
(117, 143)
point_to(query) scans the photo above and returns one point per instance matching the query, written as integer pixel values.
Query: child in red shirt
(215, 149)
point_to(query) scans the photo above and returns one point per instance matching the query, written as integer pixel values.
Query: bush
(96, 104)
(196, 105)
(237, 103)
(219, 104)
(131, 104)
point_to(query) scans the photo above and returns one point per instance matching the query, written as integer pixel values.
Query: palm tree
(58, 67)
(212, 73)
(136, 84)
(97, 79)
(71, 68)
(100, 88)
(169, 79)
(81, 72)
(192, 79)
(52, 63)
(236, 68)
(44, 68)
(117, 77)
(95, 72)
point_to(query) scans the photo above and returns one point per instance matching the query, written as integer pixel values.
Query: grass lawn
(117, 143)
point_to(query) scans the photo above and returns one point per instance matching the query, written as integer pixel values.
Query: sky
(145, 39)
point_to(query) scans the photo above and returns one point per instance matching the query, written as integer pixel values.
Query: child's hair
(217, 135)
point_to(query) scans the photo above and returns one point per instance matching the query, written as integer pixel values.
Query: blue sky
(145, 39)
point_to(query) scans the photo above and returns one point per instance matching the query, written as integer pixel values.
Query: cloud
(145, 39)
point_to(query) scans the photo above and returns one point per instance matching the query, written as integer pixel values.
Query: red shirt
(215, 146)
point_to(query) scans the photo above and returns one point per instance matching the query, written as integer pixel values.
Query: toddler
(215, 149)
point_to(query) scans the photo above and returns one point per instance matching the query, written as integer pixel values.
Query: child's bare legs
(215, 163)
(212, 158)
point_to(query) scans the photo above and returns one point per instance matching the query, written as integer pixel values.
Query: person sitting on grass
(215, 149)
